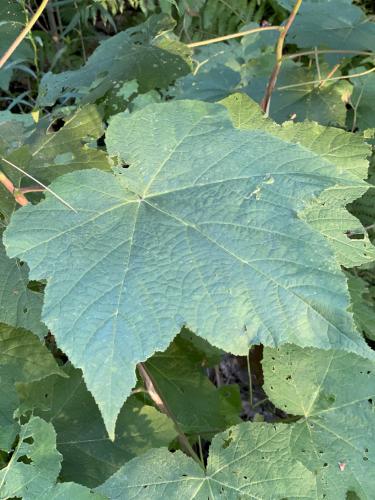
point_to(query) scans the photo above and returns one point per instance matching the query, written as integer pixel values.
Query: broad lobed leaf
(205, 229)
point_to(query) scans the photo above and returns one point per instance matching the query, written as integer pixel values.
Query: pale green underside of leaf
(333, 392)
(248, 461)
(345, 151)
(19, 306)
(202, 230)
(89, 455)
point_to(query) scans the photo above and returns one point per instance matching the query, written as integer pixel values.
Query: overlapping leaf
(22, 359)
(345, 151)
(89, 456)
(362, 101)
(362, 305)
(129, 55)
(325, 24)
(19, 305)
(198, 407)
(247, 461)
(333, 393)
(202, 230)
(33, 468)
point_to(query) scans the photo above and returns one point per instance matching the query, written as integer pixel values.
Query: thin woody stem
(160, 402)
(265, 104)
(23, 33)
(234, 35)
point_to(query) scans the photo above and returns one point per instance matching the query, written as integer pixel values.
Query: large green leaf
(198, 407)
(131, 54)
(202, 230)
(247, 461)
(335, 436)
(89, 456)
(19, 305)
(345, 151)
(334, 25)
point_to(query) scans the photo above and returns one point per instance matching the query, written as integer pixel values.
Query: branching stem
(8, 184)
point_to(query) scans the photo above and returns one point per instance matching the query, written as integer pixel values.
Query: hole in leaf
(25, 310)
(227, 443)
(24, 460)
(29, 440)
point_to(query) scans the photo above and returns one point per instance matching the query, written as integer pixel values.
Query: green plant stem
(265, 104)
(23, 33)
(160, 402)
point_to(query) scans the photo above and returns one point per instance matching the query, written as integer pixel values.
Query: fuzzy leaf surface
(202, 230)
(345, 151)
